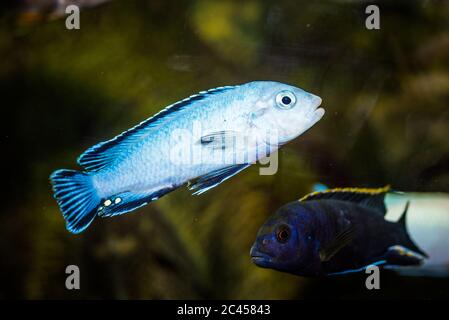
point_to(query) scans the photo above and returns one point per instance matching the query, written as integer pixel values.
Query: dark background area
(387, 122)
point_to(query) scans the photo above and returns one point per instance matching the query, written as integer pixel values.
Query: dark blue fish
(332, 232)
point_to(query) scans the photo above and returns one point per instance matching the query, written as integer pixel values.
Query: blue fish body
(202, 140)
(334, 232)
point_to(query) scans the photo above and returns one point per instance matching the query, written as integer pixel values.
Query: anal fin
(401, 256)
(128, 201)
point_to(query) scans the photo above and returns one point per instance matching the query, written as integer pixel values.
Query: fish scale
(334, 232)
(137, 167)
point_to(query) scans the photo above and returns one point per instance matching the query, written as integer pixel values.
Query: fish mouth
(319, 111)
(260, 259)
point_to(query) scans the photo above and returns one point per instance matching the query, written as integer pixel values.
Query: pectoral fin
(219, 140)
(340, 241)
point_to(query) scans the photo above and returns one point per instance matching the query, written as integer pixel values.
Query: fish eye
(285, 99)
(283, 233)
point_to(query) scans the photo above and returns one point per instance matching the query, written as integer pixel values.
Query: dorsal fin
(101, 155)
(372, 198)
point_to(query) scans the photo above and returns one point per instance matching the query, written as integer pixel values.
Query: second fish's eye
(283, 233)
(285, 99)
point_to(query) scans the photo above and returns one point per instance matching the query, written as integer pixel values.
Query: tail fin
(76, 197)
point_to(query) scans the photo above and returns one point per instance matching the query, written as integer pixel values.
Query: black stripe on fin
(410, 244)
(372, 198)
(103, 154)
(129, 201)
(214, 178)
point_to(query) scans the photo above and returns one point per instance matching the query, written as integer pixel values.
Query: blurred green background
(386, 94)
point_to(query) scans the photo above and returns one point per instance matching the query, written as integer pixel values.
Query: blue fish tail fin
(76, 197)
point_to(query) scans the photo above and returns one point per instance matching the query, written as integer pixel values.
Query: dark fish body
(373, 234)
(332, 233)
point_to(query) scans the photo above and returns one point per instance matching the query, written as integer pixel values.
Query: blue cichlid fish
(336, 231)
(202, 140)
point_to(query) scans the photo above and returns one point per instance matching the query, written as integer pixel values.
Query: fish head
(285, 241)
(282, 112)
